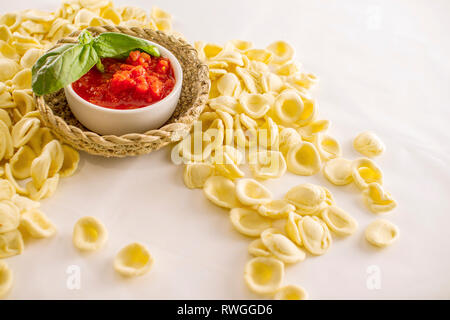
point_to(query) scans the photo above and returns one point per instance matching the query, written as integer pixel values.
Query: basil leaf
(119, 45)
(85, 37)
(62, 66)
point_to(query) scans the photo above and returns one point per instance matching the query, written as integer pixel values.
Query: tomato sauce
(137, 82)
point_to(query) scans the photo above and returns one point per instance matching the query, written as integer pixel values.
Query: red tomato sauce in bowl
(137, 82)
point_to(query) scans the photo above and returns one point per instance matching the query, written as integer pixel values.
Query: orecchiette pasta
(21, 162)
(282, 52)
(315, 235)
(268, 165)
(339, 221)
(221, 191)
(249, 222)
(288, 107)
(89, 234)
(258, 249)
(71, 158)
(11, 244)
(381, 233)
(7, 190)
(276, 209)
(6, 279)
(368, 144)
(291, 292)
(309, 199)
(24, 130)
(37, 224)
(133, 260)
(303, 159)
(328, 147)
(251, 192)
(365, 171)
(195, 174)
(338, 171)
(311, 130)
(9, 216)
(264, 275)
(281, 247)
(255, 105)
(377, 199)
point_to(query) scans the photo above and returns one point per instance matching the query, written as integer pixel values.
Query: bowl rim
(177, 88)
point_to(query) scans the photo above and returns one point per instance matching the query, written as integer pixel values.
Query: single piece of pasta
(221, 191)
(282, 52)
(292, 227)
(311, 130)
(21, 162)
(264, 275)
(281, 247)
(71, 158)
(268, 165)
(303, 159)
(249, 222)
(291, 292)
(368, 144)
(316, 237)
(257, 249)
(6, 279)
(7, 190)
(6, 144)
(309, 199)
(11, 244)
(377, 199)
(276, 209)
(338, 171)
(288, 107)
(288, 138)
(365, 171)
(339, 221)
(195, 174)
(228, 168)
(255, 105)
(89, 234)
(24, 130)
(251, 192)
(261, 55)
(37, 224)
(9, 216)
(228, 84)
(381, 233)
(328, 147)
(133, 260)
(309, 112)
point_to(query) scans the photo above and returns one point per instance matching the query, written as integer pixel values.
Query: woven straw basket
(56, 113)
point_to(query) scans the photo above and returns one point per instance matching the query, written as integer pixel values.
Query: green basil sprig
(69, 62)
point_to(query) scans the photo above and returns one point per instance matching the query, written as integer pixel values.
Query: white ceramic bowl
(106, 121)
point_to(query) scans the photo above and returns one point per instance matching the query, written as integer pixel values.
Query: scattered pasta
(249, 222)
(365, 171)
(281, 247)
(381, 233)
(251, 192)
(133, 260)
(291, 292)
(37, 224)
(6, 279)
(264, 275)
(368, 144)
(377, 199)
(89, 234)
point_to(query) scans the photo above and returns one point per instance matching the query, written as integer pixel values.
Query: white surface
(118, 122)
(383, 66)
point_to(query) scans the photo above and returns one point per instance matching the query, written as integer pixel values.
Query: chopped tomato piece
(138, 81)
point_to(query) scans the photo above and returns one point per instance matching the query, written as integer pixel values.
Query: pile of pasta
(261, 112)
(32, 160)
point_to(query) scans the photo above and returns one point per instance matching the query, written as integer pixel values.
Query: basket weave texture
(56, 114)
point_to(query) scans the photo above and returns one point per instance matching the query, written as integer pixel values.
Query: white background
(383, 65)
